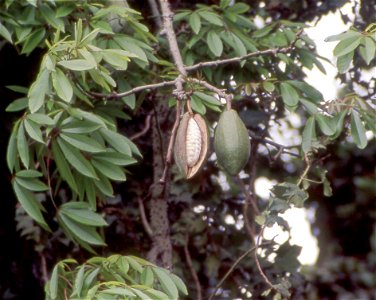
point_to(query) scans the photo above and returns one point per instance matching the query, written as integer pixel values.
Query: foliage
(73, 144)
(111, 278)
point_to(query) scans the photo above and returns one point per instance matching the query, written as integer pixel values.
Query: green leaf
(33, 130)
(311, 92)
(155, 294)
(344, 61)
(79, 281)
(358, 131)
(76, 159)
(18, 89)
(167, 284)
(17, 105)
(111, 171)
(310, 106)
(104, 185)
(84, 216)
(91, 278)
(38, 91)
(343, 36)
(129, 100)
(123, 291)
(116, 140)
(181, 15)
(82, 142)
(179, 284)
(289, 95)
(62, 85)
(268, 86)
(29, 174)
(147, 277)
(326, 124)
(33, 40)
(239, 8)
(224, 3)
(116, 158)
(82, 232)
(130, 45)
(117, 58)
(12, 150)
(346, 46)
(50, 17)
(54, 283)
(63, 166)
(195, 22)
(32, 184)
(339, 122)
(208, 98)
(22, 146)
(77, 64)
(309, 135)
(211, 18)
(41, 119)
(215, 43)
(141, 295)
(197, 105)
(5, 33)
(64, 10)
(72, 125)
(370, 49)
(134, 264)
(30, 204)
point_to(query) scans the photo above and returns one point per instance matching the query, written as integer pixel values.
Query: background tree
(86, 63)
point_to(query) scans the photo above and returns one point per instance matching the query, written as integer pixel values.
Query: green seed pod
(191, 144)
(231, 142)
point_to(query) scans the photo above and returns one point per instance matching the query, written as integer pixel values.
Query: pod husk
(180, 148)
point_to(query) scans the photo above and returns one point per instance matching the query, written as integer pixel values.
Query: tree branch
(192, 270)
(137, 89)
(144, 130)
(218, 62)
(281, 148)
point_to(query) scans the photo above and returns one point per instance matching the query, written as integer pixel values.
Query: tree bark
(161, 251)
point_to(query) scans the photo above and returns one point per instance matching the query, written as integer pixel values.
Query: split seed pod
(231, 142)
(191, 144)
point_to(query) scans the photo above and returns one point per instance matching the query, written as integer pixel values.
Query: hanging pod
(191, 144)
(231, 142)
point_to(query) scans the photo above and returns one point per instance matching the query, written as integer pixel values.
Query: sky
(298, 218)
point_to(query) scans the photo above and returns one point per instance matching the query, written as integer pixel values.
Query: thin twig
(263, 275)
(280, 147)
(144, 130)
(306, 170)
(196, 280)
(144, 219)
(137, 89)
(218, 62)
(221, 92)
(232, 268)
(43, 267)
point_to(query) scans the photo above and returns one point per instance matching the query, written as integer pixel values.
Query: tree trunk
(161, 251)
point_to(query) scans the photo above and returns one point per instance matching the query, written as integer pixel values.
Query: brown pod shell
(191, 144)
